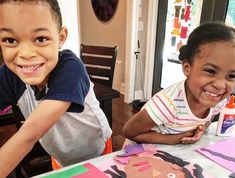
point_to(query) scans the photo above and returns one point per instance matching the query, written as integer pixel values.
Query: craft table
(185, 152)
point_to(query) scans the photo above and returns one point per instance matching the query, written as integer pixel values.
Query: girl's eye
(210, 71)
(231, 76)
(9, 40)
(41, 39)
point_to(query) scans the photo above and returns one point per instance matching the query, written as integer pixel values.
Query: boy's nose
(26, 51)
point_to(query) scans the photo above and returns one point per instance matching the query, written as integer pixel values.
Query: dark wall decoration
(104, 9)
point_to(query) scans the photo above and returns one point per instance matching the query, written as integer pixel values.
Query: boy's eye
(210, 71)
(41, 39)
(9, 40)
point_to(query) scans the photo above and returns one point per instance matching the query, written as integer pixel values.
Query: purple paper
(222, 153)
(132, 149)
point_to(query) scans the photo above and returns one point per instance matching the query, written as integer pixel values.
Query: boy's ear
(63, 36)
(186, 67)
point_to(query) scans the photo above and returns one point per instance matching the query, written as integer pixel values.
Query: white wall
(70, 20)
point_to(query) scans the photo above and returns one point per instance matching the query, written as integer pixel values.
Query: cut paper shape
(156, 173)
(182, 14)
(221, 153)
(183, 33)
(132, 149)
(173, 40)
(177, 23)
(162, 166)
(144, 168)
(123, 160)
(175, 32)
(148, 164)
(140, 163)
(177, 11)
(187, 13)
(92, 172)
(68, 172)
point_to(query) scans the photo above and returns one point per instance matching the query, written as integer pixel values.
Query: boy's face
(211, 77)
(30, 39)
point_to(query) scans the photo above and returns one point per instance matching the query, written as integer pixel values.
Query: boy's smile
(30, 51)
(211, 77)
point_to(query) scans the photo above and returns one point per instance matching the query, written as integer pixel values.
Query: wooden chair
(100, 62)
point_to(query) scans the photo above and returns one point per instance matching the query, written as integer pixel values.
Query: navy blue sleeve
(11, 87)
(69, 81)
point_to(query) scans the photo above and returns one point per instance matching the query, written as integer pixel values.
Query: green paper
(68, 172)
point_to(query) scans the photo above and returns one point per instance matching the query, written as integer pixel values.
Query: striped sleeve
(161, 106)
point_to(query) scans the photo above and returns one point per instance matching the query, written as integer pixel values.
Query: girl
(181, 112)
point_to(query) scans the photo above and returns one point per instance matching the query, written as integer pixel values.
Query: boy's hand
(196, 137)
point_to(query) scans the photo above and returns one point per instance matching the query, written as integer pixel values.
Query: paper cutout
(222, 153)
(177, 23)
(92, 172)
(173, 40)
(183, 32)
(182, 14)
(177, 11)
(132, 149)
(82, 171)
(156, 173)
(175, 32)
(144, 168)
(6, 110)
(123, 160)
(68, 172)
(187, 13)
(142, 165)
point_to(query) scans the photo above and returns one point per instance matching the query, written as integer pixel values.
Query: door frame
(131, 47)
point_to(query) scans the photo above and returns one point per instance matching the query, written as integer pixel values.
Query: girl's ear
(63, 36)
(186, 66)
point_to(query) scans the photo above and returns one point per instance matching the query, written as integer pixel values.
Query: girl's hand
(196, 137)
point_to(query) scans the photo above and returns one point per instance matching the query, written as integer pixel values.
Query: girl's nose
(219, 84)
(26, 51)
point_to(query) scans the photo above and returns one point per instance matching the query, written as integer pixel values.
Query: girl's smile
(209, 78)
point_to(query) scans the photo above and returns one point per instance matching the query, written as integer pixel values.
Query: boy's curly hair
(54, 6)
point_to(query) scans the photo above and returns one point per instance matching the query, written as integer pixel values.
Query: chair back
(100, 62)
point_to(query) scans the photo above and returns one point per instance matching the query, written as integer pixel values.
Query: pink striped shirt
(170, 111)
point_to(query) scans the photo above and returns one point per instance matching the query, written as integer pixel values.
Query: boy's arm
(37, 124)
(138, 128)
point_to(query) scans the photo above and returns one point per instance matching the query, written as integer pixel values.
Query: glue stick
(226, 120)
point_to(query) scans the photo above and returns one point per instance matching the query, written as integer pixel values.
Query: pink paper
(92, 172)
(144, 168)
(123, 160)
(225, 148)
(150, 150)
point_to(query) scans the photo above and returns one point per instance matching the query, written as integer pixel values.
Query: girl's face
(30, 39)
(211, 77)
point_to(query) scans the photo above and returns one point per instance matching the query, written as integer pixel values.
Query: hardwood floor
(121, 113)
